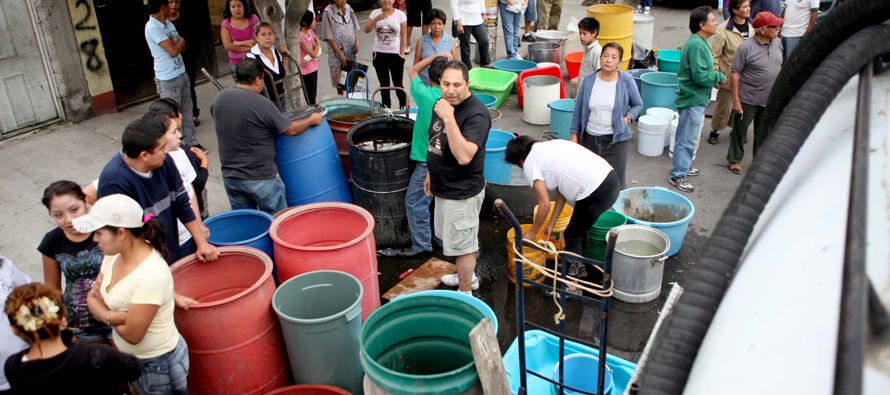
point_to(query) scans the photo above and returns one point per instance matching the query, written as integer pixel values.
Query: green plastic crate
(493, 82)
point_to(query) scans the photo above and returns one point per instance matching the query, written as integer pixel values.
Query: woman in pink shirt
(236, 30)
(309, 47)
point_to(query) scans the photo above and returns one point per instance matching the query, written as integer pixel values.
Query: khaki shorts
(457, 224)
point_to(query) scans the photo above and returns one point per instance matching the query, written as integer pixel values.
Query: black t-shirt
(742, 28)
(448, 179)
(81, 369)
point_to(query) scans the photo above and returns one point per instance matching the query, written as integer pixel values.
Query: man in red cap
(755, 67)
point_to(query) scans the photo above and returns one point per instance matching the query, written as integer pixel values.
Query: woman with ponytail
(134, 292)
(49, 366)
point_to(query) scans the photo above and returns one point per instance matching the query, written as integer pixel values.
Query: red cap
(766, 18)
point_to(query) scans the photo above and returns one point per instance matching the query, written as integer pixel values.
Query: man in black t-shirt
(455, 157)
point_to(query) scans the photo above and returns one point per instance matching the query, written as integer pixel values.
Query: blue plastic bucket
(497, 170)
(659, 208)
(637, 73)
(669, 60)
(514, 66)
(581, 371)
(659, 90)
(561, 117)
(249, 228)
(486, 99)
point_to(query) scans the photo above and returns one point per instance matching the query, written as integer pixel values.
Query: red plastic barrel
(328, 236)
(234, 340)
(309, 389)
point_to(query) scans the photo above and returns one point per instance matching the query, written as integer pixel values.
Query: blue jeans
(531, 12)
(511, 22)
(265, 195)
(166, 374)
(417, 204)
(788, 45)
(645, 3)
(688, 131)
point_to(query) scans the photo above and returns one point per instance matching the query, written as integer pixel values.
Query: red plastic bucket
(235, 344)
(311, 389)
(328, 236)
(573, 63)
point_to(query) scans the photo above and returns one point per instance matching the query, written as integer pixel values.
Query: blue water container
(248, 228)
(514, 66)
(486, 99)
(561, 117)
(660, 208)
(637, 73)
(497, 170)
(310, 168)
(669, 60)
(659, 90)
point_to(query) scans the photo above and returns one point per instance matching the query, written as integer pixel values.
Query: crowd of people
(112, 322)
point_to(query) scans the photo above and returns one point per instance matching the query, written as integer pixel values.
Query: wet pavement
(629, 324)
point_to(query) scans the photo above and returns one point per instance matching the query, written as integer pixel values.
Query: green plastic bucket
(420, 345)
(596, 235)
(320, 315)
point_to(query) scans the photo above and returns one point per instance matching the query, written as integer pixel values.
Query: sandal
(735, 168)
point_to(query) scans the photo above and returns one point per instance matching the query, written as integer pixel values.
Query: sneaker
(528, 37)
(647, 11)
(465, 292)
(682, 184)
(452, 281)
(713, 137)
(693, 172)
(639, 10)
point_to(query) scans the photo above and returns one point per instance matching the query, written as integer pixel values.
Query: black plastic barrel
(379, 150)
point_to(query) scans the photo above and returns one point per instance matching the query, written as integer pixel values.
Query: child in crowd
(74, 254)
(588, 30)
(49, 366)
(10, 277)
(310, 49)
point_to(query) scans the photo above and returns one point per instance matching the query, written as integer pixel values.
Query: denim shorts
(531, 12)
(166, 374)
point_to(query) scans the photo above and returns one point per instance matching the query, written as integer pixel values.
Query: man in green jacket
(697, 76)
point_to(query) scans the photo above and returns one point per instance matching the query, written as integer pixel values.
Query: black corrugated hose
(677, 344)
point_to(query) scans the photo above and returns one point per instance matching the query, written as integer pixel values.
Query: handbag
(353, 79)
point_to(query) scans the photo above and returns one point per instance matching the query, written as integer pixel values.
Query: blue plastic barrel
(497, 170)
(659, 90)
(659, 208)
(310, 167)
(249, 228)
(514, 66)
(669, 60)
(561, 117)
(637, 73)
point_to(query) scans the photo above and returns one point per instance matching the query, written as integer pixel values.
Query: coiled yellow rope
(550, 249)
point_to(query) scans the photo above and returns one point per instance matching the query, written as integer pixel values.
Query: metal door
(26, 97)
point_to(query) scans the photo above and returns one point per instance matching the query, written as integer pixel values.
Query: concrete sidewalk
(78, 152)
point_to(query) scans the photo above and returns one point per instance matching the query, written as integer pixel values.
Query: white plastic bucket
(651, 130)
(667, 113)
(539, 91)
(644, 30)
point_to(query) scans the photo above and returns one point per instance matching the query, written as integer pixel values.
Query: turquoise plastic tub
(669, 60)
(659, 208)
(496, 169)
(561, 117)
(486, 99)
(493, 82)
(659, 90)
(514, 66)
(637, 73)
(541, 356)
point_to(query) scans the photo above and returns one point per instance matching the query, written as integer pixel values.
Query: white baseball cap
(113, 210)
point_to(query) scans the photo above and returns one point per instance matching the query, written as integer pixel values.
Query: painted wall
(92, 54)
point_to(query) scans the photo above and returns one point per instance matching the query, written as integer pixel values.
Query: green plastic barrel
(420, 345)
(320, 315)
(596, 235)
